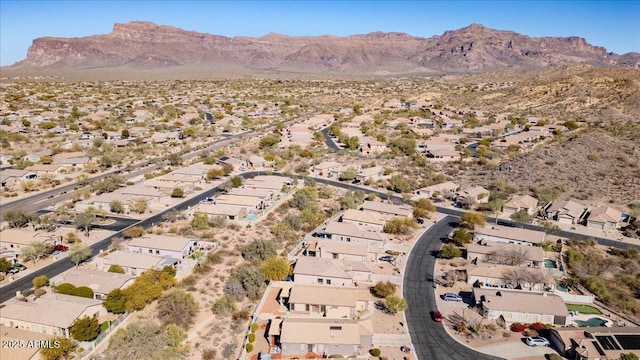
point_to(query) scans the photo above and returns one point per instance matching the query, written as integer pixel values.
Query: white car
(536, 341)
(451, 297)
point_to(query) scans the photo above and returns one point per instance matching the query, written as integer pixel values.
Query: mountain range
(144, 46)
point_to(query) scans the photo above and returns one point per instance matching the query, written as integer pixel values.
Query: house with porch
(324, 337)
(162, 245)
(520, 202)
(51, 314)
(602, 218)
(509, 306)
(332, 302)
(333, 272)
(567, 211)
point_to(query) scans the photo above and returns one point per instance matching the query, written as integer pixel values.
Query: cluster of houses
(322, 311)
(53, 314)
(302, 133)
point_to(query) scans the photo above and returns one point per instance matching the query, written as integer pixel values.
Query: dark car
(436, 316)
(389, 258)
(61, 248)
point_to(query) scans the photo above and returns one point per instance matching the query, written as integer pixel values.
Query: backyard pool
(593, 322)
(252, 217)
(550, 264)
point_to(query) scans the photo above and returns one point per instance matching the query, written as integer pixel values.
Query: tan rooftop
(348, 229)
(521, 301)
(342, 247)
(20, 336)
(532, 253)
(328, 267)
(363, 217)
(605, 214)
(511, 233)
(133, 260)
(162, 242)
(391, 209)
(522, 201)
(320, 331)
(99, 281)
(323, 295)
(55, 310)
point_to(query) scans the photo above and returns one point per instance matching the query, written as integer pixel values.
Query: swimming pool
(252, 217)
(550, 264)
(592, 322)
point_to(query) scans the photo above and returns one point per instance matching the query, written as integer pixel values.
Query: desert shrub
(461, 327)
(83, 291)
(209, 354)
(243, 314)
(251, 337)
(255, 327)
(115, 268)
(65, 288)
(375, 352)
(249, 347)
(530, 332)
(40, 281)
(384, 288)
(518, 327)
(537, 326)
(224, 305)
(39, 292)
(450, 251)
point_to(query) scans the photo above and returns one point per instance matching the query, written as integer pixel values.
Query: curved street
(429, 338)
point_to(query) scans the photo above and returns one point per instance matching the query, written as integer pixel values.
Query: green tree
(124, 134)
(276, 268)
(395, 304)
(115, 268)
(269, 141)
(177, 307)
(174, 159)
(116, 301)
(5, 265)
(521, 217)
(85, 329)
(138, 206)
(146, 340)
(252, 280)
(40, 281)
(214, 174)
(384, 289)
(177, 192)
(16, 218)
(63, 349)
(224, 305)
(348, 174)
(200, 221)
(472, 219)
(422, 208)
(259, 250)
(35, 250)
(116, 207)
(353, 143)
(461, 236)
(227, 169)
(236, 181)
(399, 184)
(400, 225)
(84, 221)
(629, 356)
(79, 253)
(450, 251)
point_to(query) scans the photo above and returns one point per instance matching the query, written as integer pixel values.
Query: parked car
(389, 258)
(16, 268)
(452, 297)
(207, 200)
(420, 221)
(242, 168)
(61, 248)
(436, 316)
(536, 341)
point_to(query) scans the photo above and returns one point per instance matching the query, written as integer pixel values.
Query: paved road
(429, 338)
(329, 141)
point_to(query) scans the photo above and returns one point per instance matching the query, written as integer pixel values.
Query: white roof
(162, 242)
(132, 260)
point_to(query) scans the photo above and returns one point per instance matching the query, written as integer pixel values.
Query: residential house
(24, 338)
(140, 191)
(250, 203)
(498, 252)
(510, 277)
(16, 239)
(272, 182)
(264, 194)
(71, 159)
(567, 211)
(330, 249)
(512, 306)
(474, 194)
(520, 202)
(36, 156)
(11, 178)
(443, 154)
(349, 232)
(331, 303)
(436, 190)
(162, 245)
(368, 219)
(594, 343)
(602, 218)
(389, 210)
(374, 173)
(325, 167)
(134, 263)
(101, 282)
(42, 169)
(311, 270)
(373, 147)
(324, 337)
(231, 212)
(236, 163)
(508, 235)
(51, 314)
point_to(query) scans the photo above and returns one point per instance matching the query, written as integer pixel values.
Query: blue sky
(612, 24)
